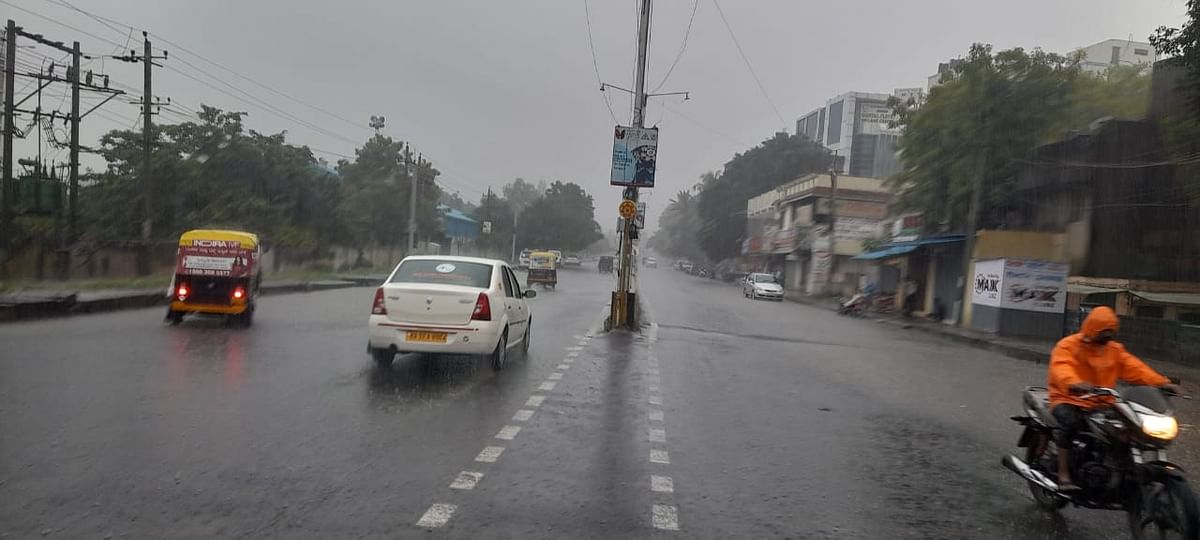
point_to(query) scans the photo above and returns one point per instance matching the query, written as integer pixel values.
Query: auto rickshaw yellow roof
(247, 240)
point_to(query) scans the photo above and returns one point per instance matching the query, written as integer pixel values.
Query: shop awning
(1090, 289)
(900, 248)
(1188, 299)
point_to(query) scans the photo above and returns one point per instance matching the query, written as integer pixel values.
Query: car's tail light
(182, 292)
(483, 308)
(378, 308)
(239, 293)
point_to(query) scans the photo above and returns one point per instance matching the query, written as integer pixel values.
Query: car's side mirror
(530, 293)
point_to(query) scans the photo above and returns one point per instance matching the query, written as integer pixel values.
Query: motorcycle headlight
(1160, 427)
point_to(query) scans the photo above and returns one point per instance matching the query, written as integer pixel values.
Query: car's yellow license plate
(426, 337)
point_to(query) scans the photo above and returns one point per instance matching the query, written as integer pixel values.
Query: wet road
(727, 419)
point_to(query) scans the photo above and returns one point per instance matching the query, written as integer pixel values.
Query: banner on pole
(635, 154)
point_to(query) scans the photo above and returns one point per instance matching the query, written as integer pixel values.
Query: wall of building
(1097, 57)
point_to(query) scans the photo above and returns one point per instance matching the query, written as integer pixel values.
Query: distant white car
(757, 286)
(572, 260)
(452, 305)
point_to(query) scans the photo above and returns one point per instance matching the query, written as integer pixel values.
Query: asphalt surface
(727, 418)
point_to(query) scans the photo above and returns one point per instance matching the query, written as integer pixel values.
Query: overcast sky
(494, 90)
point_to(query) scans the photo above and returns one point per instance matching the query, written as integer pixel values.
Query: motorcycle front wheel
(1165, 509)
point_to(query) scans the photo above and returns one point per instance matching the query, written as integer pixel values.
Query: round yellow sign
(627, 209)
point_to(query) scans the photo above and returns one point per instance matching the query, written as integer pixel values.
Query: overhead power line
(749, 67)
(587, 16)
(682, 47)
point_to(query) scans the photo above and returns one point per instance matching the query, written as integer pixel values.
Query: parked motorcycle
(1119, 461)
(855, 306)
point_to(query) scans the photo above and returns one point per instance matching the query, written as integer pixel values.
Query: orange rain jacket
(1075, 360)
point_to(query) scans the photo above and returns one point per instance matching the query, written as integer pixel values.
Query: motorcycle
(1119, 461)
(855, 306)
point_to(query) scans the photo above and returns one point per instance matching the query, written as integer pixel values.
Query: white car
(757, 286)
(450, 305)
(572, 260)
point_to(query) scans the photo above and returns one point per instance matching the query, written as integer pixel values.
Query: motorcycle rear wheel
(1165, 509)
(1046, 500)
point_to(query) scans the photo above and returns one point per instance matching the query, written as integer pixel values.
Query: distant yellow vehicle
(542, 269)
(216, 272)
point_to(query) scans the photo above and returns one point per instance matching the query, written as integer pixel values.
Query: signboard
(627, 209)
(874, 118)
(639, 219)
(1034, 286)
(1021, 284)
(856, 228)
(487, 227)
(986, 283)
(907, 227)
(215, 258)
(635, 154)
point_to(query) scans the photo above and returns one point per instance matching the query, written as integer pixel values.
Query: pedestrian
(908, 292)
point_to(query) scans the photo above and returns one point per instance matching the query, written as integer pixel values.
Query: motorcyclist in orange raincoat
(1080, 363)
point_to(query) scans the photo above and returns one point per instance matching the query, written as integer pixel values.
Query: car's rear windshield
(467, 274)
(767, 278)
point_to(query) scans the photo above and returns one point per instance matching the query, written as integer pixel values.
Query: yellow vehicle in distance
(216, 272)
(543, 268)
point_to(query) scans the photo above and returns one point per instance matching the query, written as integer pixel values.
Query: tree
(375, 194)
(1184, 43)
(499, 212)
(520, 194)
(679, 228)
(454, 200)
(564, 218)
(722, 200)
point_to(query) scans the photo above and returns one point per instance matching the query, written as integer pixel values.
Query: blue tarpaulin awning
(900, 248)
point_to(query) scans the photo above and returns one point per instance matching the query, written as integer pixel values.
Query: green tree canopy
(563, 218)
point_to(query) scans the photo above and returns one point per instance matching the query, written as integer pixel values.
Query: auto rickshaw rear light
(239, 293)
(182, 292)
(378, 308)
(483, 308)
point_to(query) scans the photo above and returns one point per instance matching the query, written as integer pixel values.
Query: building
(857, 127)
(459, 228)
(1098, 57)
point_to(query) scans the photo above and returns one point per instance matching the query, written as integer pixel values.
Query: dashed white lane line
(437, 515)
(489, 454)
(572, 354)
(661, 484)
(568, 361)
(523, 415)
(658, 435)
(547, 386)
(660, 456)
(535, 401)
(656, 400)
(556, 376)
(652, 371)
(466, 480)
(655, 416)
(653, 388)
(575, 348)
(665, 517)
(508, 433)
(564, 366)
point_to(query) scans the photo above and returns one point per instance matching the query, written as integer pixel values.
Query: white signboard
(874, 118)
(639, 219)
(848, 228)
(1034, 286)
(987, 282)
(635, 154)
(200, 262)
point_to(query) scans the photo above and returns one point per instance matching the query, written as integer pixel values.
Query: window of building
(835, 123)
(1116, 55)
(1141, 52)
(1149, 312)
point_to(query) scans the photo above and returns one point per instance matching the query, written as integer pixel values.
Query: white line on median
(652, 371)
(656, 400)
(662, 484)
(535, 401)
(664, 517)
(466, 480)
(653, 388)
(658, 435)
(660, 456)
(437, 515)
(547, 386)
(523, 415)
(576, 348)
(508, 433)
(556, 376)
(572, 354)
(564, 366)
(489, 454)
(656, 416)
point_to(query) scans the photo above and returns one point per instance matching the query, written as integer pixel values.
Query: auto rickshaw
(605, 266)
(216, 272)
(542, 269)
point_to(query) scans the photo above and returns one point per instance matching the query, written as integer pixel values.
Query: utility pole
(969, 242)
(6, 188)
(513, 256)
(147, 59)
(73, 196)
(412, 201)
(623, 300)
(833, 172)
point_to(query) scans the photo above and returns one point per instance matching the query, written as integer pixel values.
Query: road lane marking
(664, 517)
(437, 515)
(547, 386)
(653, 332)
(658, 435)
(662, 484)
(654, 379)
(489, 454)
(523, 415)
(508, 433)
(652, 371)
(575, 348)
(535, 401)
(660, 456)
(656, 416)
(466, 480)
(568, 360)
(572, 354)
(656, 400)
(653, 388)
(556, 376)
(564, 366)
